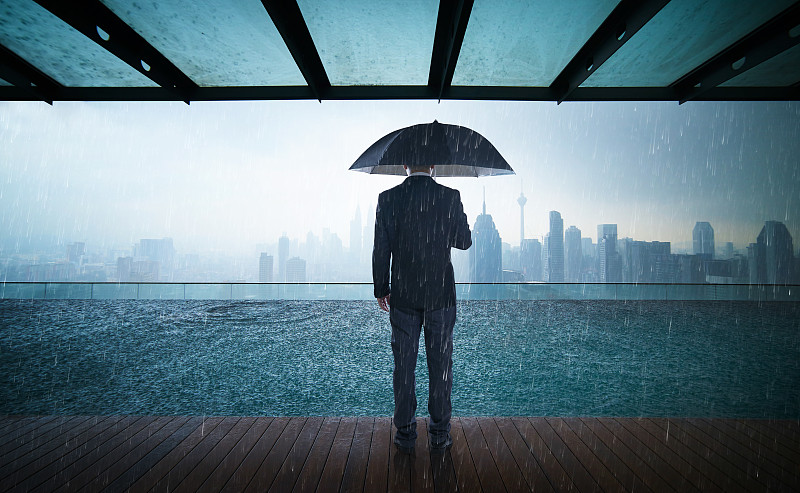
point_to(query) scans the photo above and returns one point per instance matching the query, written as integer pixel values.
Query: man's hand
(384, 302)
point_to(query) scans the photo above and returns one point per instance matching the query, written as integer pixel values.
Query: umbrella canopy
(454, 150)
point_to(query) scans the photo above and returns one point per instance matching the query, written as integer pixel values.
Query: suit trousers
(406, 325)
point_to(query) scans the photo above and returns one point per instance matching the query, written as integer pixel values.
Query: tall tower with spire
(521, 201)
(485, 254)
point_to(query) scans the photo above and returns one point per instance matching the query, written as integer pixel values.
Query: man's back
(417, 222)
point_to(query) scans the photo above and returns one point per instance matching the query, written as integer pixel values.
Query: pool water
(536, 358)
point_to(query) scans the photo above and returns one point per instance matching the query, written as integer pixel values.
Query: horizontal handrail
(363, 291)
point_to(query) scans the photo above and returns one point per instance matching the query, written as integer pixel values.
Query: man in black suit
(416, 224)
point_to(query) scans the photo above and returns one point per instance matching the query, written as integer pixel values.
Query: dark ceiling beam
(97, 22)
(288, 19)
(624, 21)
(768, 40)
(355, 93)
(451, 25)
(15, 70)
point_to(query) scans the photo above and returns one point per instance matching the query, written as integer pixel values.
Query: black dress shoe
(404, 449)
(440, 447)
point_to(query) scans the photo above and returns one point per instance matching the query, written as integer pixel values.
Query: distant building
(531, 260)
(355, 237)
(645, 261)
(295, 270)
(137, 270)
(609, 262)
(728, 250)
(521, 201)
(554, 271)
(703, 240)
(265, 268)
(485, 254)
(283, 256)
(573, 254)
(771, 258)
(75, 251)
(161, 251)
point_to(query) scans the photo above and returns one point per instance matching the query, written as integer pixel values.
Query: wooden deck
(157, 453)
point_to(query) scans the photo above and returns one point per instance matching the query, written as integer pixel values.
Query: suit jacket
(416, 224)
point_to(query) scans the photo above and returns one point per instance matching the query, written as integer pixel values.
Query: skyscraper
(521, 201)
(610, 266)
(703, 239)
(531, 260)
(772, 256)
(355, 237)
(573, 254)
(295, 270)
(265, 268)
(555, 249)
(283, 256)
(485, 254)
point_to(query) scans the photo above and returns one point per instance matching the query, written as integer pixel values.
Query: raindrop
(103, 35)
(145, 66)
(738, 63)
(589, 64)
(621, 32)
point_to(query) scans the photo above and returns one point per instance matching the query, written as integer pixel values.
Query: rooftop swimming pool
(332, 357)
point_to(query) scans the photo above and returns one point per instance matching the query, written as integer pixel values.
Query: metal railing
(363, 291)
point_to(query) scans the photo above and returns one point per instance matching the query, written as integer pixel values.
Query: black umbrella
(454, 150)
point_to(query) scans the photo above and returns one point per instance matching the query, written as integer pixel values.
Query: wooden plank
(247, 470)
(788, 429)
(615, 465)
(763, 447)
(755, 464)
(399, 476)
(41, 444)
(732, 465)
(421, 473)
(691, 452)
(528, 465)
(183, 468)
(198, 475)
(506, 464)
(13, 424)
(556, 475)
(74, 461)
(783, 445)
(596, 468)
(132, 454)
(139, 467)
(29, 431)
(272, 463)
(615, 435)
(149, 479)
(226, 468)
(311, 472)
(378, 465)
(488, 474)
(296, 458)
(92, 464)
(46, 465)
(355, 471)
(580, 477)
(660, 446)
(19, 428)
(463, 465)
(333, 473)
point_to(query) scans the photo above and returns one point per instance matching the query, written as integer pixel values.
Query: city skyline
(223, 176)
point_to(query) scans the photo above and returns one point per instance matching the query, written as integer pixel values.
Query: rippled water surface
(534, 358)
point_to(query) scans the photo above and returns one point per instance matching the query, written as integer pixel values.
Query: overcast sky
(226, 176)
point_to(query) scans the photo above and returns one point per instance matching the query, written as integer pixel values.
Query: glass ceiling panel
(60, 51)
(781, 70)
(373, 42)
(229, 43)
(524, 43)
(681, 37)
